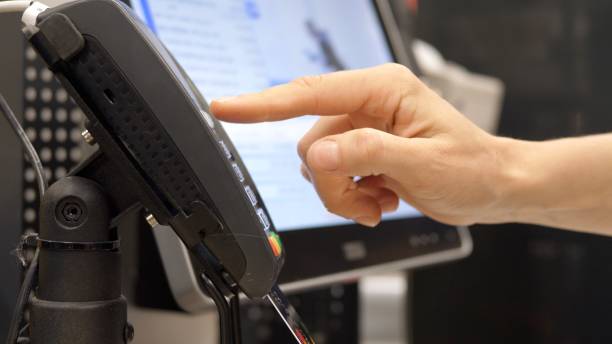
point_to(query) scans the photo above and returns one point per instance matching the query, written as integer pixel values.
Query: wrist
(516, 180)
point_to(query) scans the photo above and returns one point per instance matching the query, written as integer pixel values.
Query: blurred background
(522, 283)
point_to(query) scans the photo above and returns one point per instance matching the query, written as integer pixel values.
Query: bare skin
(384, 125)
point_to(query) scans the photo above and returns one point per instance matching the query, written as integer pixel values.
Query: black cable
(21, 338)
(25, 141)
(22, 299)
(225, 317)
(30, 275)
(213, 284)
(24, 329)
(235, 313)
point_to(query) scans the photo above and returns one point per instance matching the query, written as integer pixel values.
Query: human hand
(384, 125)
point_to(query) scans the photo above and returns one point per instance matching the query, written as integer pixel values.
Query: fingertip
(349, 203)
(368, 221)
(239, 109)
(217, 107)
(366, 210)
(222, 100)
(374, 186)
(389, 204)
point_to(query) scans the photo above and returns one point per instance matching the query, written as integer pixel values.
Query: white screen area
(230, 47)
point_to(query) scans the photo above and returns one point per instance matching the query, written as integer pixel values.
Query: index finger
(327, 94)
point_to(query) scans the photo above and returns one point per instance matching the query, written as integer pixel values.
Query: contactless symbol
(275, 243)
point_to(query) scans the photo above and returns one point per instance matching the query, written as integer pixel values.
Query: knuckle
(309, 85)
(396, 68)
(399, 73)
(404, 76)
(396, 84)
(308, 82)
(370, 142)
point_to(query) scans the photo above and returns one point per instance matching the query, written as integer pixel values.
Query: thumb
(359, 152)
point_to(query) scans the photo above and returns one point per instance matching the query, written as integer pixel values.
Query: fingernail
(326, 155)
(367, 221)
(224, 99)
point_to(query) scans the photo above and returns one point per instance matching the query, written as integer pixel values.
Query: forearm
(562, 183)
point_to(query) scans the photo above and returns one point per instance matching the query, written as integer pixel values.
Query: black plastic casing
(152, 123)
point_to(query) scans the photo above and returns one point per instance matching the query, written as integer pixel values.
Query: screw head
(128, 334)
(152, 221)
(88, 137)
(71, 212)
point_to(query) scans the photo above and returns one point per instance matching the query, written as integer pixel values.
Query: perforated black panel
(53, 123)
(118, 105)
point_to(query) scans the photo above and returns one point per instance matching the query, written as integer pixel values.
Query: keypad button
(238, 172)
(263, 218)
(208, 118)
(250, 195)
(225, 150)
